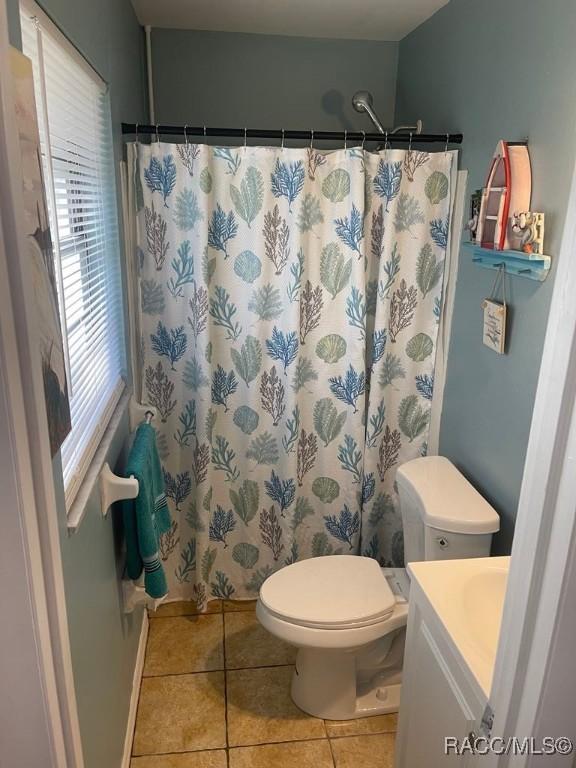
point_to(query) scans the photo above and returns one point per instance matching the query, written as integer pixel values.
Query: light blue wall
(104, 642)
(497, 69)
(269, 81)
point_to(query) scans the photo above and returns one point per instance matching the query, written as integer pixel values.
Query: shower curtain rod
(266, 133)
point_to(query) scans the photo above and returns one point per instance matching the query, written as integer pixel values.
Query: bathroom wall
(497, 69)
(269, 81)
(104, 642)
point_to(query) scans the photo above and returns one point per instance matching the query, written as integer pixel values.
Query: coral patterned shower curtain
(289, 304)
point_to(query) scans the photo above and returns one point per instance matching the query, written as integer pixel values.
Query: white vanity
(453, 627)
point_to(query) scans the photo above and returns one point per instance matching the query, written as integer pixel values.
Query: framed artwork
(44, 290)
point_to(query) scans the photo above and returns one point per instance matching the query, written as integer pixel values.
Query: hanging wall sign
(494, 327)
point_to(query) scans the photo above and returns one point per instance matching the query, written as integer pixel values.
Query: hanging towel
(147, 516)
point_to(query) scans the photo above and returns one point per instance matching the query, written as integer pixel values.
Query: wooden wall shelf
(534, 266)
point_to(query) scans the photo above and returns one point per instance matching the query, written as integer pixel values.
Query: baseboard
(136, 680)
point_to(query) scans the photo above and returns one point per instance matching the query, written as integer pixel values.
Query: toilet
(347, 615)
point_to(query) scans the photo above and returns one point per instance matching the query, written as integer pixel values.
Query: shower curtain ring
(311, 138)
(157, 136)
(282, 142)
(245, 135)
(386, 147)
(447, 142)
(363, 139)
(345, 139)
(410, 143)
(204, 133)
(185, 134)
(136, 132)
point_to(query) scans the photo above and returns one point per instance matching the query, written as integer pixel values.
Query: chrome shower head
(362, 102)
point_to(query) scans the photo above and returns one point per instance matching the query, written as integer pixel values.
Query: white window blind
(76, 141)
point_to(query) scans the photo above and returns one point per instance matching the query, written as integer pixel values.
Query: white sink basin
(482, 601)
(468, 597)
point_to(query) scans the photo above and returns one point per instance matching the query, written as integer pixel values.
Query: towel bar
(113, 488)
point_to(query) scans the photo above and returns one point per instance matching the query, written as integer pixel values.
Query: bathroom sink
(482, 601)
(468, 597)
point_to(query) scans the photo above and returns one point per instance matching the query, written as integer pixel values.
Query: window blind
(76, 142)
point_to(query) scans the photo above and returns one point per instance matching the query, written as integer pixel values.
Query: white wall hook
(137, 413)
(113, 488)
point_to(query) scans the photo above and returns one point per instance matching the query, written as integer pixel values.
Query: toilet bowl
(347, 615)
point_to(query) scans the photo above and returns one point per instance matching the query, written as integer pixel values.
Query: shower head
(362, 102)
(361, 99)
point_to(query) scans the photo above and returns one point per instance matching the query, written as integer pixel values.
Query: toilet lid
(329, 592)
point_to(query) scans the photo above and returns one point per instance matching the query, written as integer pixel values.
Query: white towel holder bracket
(113, 488)
(134, 593)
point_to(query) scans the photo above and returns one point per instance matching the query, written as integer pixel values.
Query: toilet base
(328, 684)
(381, 700)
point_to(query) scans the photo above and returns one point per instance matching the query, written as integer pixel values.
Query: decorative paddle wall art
(43, 291)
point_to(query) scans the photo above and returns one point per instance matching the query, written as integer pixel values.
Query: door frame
(539, 617)
(30, 532)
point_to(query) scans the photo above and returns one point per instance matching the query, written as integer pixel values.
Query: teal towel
(147, 516)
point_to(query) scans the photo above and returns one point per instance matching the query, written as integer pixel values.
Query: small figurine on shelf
(528, 232)
(475, 203)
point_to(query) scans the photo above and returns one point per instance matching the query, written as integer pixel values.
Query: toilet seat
(335, 639)
(339, 592)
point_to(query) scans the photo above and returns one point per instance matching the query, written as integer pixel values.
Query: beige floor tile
(183, 644)
(304, 754)
(239, 605)
(215, 758)
(363, 725)
(260, 710)
(376, 751)
(248, 644)
(181, 713)
(184, 608)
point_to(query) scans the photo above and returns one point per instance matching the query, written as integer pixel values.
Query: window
(76, 141)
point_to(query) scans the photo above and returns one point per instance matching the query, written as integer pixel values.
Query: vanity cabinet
(438, 697)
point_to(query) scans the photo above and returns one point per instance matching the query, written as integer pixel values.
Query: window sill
(89, 483)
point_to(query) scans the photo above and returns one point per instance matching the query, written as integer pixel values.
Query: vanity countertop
(468, 598)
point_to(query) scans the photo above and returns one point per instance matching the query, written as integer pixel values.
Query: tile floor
(215, 694)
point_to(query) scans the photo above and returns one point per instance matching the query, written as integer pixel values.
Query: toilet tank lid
(447, 500)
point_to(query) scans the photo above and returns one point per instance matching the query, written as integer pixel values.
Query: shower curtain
(288, 311)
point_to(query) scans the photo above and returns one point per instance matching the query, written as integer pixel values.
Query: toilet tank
(443, 515)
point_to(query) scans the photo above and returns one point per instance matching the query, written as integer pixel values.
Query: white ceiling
(352, 19)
